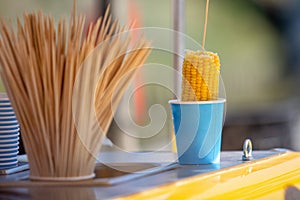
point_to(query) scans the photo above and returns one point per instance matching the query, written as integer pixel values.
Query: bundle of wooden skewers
(64, 84)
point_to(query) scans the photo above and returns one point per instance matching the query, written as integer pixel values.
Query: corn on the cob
(200, 72)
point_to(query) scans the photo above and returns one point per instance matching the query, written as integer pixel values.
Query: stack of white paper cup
(9, 134)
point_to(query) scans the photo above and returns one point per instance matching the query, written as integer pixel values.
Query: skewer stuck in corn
(200, 70)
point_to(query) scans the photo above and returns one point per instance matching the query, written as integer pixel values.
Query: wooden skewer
(205, 25)
(40, 65)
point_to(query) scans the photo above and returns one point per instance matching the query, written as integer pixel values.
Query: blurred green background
(252, 68)
(246, 42)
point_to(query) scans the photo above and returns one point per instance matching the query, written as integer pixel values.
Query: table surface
(228, 159)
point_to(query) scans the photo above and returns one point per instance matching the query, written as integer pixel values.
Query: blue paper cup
(8, 155)
(8, 128)
(9, 136)
(7, 119)
(8, 159)
(9, 141)
(5, 104)
(8, 123)
(9, 145)
(7, 114)
(9, 133)
(9, 150)
(6, 110)
(198, 130)
(8, 164)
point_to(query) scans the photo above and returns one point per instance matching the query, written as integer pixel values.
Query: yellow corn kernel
(200, 76)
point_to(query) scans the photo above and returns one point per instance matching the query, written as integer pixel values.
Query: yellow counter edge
(265, 178)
